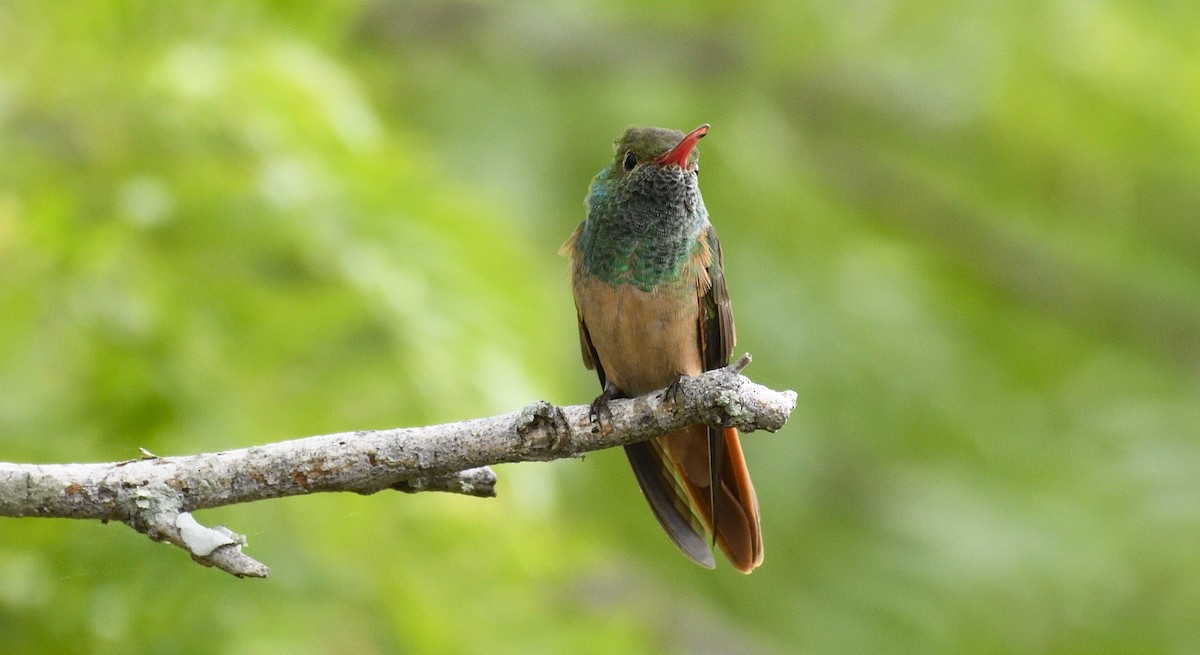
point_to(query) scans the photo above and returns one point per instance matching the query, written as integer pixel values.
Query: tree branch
(156, 495)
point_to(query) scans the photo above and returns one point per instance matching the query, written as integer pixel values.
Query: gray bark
(156, 495)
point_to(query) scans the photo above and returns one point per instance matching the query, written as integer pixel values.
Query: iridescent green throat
(643, 229)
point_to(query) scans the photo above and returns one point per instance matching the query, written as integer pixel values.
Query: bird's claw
(673, 394)
(600, 413)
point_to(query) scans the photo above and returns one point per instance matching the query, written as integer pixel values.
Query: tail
(685, 476)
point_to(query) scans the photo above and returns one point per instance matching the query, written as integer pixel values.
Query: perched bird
(653, 307)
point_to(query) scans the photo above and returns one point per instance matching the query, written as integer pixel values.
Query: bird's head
(656, 146)
(652, 169)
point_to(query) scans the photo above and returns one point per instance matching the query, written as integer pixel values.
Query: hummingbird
(653, 306)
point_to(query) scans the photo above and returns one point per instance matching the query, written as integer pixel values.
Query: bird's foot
(673, 394)
(600, 413)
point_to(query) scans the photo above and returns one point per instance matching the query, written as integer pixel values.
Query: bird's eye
(630, 161)
(696, 170)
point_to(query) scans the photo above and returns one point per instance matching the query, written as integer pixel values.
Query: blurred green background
(968, 234)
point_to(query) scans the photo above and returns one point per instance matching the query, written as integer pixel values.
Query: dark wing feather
(717, 331)
(590, 359)
(656, 477)
(716, 344)
(733, 505)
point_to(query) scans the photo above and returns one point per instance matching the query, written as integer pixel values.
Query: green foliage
(965, 234)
